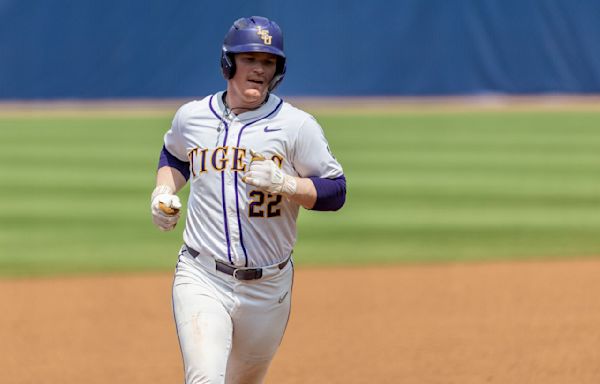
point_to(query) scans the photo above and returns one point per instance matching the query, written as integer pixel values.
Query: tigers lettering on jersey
(223, 158)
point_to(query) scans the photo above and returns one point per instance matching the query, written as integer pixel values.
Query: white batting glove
(165, 208)
(266, 176)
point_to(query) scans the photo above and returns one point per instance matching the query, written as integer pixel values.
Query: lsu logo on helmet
(264, 35)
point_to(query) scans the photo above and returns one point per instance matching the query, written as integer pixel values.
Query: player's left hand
(266, 176)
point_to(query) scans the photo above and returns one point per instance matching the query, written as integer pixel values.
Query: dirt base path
(478, 323)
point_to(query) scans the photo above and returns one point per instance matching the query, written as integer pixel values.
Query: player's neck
(237, 106)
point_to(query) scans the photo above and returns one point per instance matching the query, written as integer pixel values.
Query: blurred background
(170, 49)
(467, 129)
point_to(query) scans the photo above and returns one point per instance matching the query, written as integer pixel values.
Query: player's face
(254, 71)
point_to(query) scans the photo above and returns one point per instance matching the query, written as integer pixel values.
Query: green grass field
(422, 187)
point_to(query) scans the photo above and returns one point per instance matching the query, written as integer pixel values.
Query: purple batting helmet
(253, 34)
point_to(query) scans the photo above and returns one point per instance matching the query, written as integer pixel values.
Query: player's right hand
(165, 209)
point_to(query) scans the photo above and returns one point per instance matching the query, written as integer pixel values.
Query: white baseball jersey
(226, 218)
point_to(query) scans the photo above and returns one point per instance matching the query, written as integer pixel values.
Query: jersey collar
(258, 113)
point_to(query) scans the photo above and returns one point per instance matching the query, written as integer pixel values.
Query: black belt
(238, 273)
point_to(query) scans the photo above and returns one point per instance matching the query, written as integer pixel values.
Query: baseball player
(251, 160)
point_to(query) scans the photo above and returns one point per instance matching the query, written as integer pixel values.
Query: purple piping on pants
(237, 203)
(223, 183)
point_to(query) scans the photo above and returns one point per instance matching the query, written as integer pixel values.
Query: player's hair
(253, 34)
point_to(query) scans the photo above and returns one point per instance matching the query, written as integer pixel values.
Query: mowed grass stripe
(464, 187)
(421, 188)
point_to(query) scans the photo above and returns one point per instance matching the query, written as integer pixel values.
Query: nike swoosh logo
(267, 129)
(282, 298)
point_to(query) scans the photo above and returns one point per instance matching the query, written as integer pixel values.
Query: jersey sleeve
(311, 156)
(174, 139)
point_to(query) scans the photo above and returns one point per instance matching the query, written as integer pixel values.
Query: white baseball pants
(229, 330)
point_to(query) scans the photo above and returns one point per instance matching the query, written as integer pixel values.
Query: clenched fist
(165, 208)
(266, 176)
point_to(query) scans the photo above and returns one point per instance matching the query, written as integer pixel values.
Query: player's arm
(322, 185)
(171, 176)
(322, 194)
(306, 193)
(265, 175)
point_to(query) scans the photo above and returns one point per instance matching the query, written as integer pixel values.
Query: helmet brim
(253, 47)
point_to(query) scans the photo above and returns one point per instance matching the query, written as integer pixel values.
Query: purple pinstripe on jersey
(223, 183)
(237, 203)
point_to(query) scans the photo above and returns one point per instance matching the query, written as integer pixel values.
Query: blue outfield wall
(157, 49)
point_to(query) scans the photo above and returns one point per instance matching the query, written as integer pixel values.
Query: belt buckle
(235, 271)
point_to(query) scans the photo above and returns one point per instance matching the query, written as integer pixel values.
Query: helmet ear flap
(279, 74)
(227, 65)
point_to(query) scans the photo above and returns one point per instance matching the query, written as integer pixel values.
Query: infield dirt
(525, 322)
